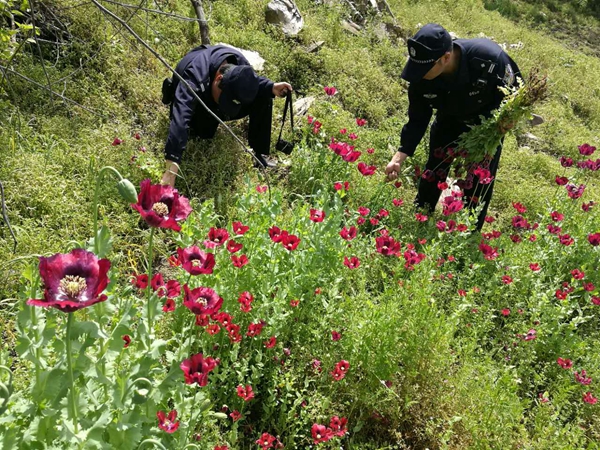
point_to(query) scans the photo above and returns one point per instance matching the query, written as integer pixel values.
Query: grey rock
(302, 105)
(314, 47)
(351, 27)
(530, 136)
(285, 13)
(256, 61)
(536, 120)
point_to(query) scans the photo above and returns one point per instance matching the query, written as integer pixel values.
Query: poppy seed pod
(127, 190)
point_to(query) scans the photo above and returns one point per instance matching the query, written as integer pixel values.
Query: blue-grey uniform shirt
(470, 92)
(198, 68)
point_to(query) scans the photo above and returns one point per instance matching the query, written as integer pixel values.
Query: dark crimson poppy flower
(196, 261)
(351, 263)
(233, 331)
(127, 340)
(72, 281)
(586, 149)
(245, 299)
(137, 136)
(117, 141)
(352, 156)
(239, 228)
(271, 342)
(167, 422)
(387, 246)
(564, 363)
(505, 312)
(216, 237)
(158, 284)
(451, 205)
(577, 274)
(266, 440)
(239, 261)
(235, 415)
(594, 239)
(202, 320)
(222, 317)
(566, 162)
(202, 300)
(173, 289)
(421, 217)
(254, 329)
(320, 433)
(366, 170)
(233, 246)
(535, 267)
(361, 122)
(374, 221)
(442, 185)
(489, 253)
(169, 305)
(575, 192)
(589, 287)
(275, 233)
(370, 151)
(340, 370)
(161, 205)
(348, 233)
(317, 215)
(561, 181)
(245, 393)
(582, 378)
(196, 369)
(506, 279)
(556, 216)
(330, 90)
(140, 281)
(213, 329)
(290, 242)
(561, 294)
(338, 426)
(566, 239)
(335, 336)
(589, 398)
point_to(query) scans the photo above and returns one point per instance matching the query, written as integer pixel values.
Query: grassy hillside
(50, 151)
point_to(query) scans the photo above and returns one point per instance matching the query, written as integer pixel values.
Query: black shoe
(264, 162)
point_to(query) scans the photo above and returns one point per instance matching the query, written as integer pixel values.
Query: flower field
(315, 307)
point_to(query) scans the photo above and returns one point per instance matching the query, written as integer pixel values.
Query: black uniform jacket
(198, 68)
(470, 92)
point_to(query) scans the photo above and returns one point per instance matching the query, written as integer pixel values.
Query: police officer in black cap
(223, 78)
(459, 79)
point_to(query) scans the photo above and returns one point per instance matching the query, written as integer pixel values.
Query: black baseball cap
(427, 46)
(239, 87)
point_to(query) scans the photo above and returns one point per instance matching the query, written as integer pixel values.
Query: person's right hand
(393, 168)
(170, 174)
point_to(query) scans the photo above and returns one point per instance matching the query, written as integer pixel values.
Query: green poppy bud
(127, 190)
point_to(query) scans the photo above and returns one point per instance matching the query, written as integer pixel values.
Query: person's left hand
(282, 89)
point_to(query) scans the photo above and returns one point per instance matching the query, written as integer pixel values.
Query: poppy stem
(34, 325)
(70, 370)
(149, 288)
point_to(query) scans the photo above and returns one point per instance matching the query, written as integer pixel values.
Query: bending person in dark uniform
(223, 78)
(459, 79)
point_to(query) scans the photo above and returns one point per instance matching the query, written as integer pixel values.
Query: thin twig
(37, 44)
(155, 11)
(20, 75)
(5, 216)
(180, 78)
(389, 10)
(202, 23)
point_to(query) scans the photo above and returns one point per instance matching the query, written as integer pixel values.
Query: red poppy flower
(222, 317)
(348, 233)
(202, 300)
(564, 363)
(421, 217)
(239, 261)
(216, 237)
(561, 181)
(335, 336)
(213, 328)
(221, 447)
(361, 122)
(239, 228)
(266, 441)
(271, 342)
(586, 149)
(351, 263)
(140, 281)
(167, 422)
(589, 287)
(127, 340)
(235, 415)
(587, 206)
(575, 192)
(364, 211)
(72, 281)
(561, 294)
(294, 303)
(233, 247)
(351, 156)
(261, 189)
(398, 202)
(366, 170)
(275, 233)
(370, 151)
(353, 136)
(589, 398)
(505, 312)
(173, 289)
(535, 267)
(343, 131)
(490, 253)
(330, 90)
(290, 242)
(577, 274)
(245, 299)
(594, 239)
(595, 300)
(202, 320)
(338, 426)
(556, 216)
(320, 433)
(566, 162)
(233, 331)
(317, 215)
(196, 369)
(245, 393)
(169, 305)
(161, 205)
(254, 329)
(582, 378)
(387, 246)
(566, 239)
(531, 335)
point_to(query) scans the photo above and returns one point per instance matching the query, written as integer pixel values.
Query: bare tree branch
(37, 44)
(389, 10)
(5, 216)
(202, 23)
(20, 75)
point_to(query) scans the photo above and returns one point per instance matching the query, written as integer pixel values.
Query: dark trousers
(443, 136)
(260, 112)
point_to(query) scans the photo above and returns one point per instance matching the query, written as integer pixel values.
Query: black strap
(288, 104)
